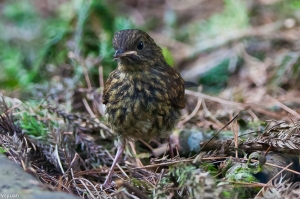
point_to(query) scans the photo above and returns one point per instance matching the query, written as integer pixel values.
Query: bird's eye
(140, 46)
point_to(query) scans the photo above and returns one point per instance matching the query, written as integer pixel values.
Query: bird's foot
(108, 184)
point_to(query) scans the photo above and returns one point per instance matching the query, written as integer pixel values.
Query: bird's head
(135, 47)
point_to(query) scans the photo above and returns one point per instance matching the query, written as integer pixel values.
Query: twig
(94, 116)
(216, 99)
(146, 144)
(101, 81)
(174, 162)
(284, 107)
(249, 184)
(210, 115)
(84, 182)
(265, 112)
(193, 112)
(86, 75)
(88, 108)
(234, 128)
(255, 118)
(218, 132)
(100, 69)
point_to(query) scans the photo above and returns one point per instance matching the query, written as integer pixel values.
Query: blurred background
(55, 56)
(243, 51)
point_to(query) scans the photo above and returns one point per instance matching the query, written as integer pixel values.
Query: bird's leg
(138, 161)
(108, 180)
(171, 148)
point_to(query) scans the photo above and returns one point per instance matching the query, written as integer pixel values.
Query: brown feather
(144, 95)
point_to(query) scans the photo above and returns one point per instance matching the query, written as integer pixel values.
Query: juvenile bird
(144, 95)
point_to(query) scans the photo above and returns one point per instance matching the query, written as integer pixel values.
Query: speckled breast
(138, 107)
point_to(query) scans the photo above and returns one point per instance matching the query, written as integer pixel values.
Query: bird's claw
(107, 185)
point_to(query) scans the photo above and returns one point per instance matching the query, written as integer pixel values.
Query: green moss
(216, 79)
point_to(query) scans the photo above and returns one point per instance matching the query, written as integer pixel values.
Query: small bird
(144, 95)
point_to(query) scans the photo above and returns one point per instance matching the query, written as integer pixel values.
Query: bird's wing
(188, 84)
(176, 90)
(106, 93)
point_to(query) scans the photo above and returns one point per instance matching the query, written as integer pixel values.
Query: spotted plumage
(144, 95)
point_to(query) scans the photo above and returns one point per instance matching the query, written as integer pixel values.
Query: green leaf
(168, 56)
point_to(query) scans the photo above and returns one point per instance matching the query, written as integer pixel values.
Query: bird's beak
(121, 53)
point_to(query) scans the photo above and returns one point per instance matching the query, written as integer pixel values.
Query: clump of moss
(185, 180)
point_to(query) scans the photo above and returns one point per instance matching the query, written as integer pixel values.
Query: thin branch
(216, 99)
(193, 112)
(284, 107)
(218, 132)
